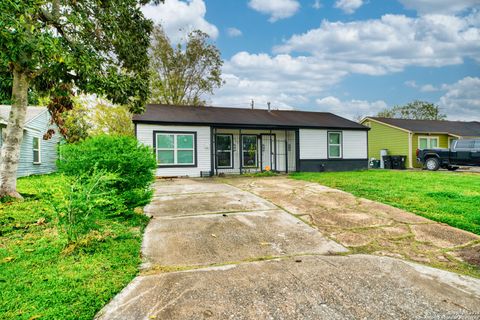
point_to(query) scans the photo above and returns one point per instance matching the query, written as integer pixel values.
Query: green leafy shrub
(82, 200)
(132, 162)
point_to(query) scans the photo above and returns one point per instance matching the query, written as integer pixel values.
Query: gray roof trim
(454, 128)
(242, 118)
(33, 112)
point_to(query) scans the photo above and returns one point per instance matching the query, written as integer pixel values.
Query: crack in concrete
(234, 212)
(162, 269)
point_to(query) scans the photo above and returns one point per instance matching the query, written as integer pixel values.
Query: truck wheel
(432, 164)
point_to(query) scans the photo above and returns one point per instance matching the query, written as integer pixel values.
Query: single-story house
(198, 141)
(37, 156)
(405, 136)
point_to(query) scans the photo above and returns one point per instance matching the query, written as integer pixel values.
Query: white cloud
(439, 6)
(428, 88)
(284, 80)
(277, 9)
(287, 82)
(391, 43)
(462, 99)
(292, 75)
(353, 109)
(423, 88)
(317, 4)
(307, 66)
(411, 84)
(234, 32)
(348, 6)
(179, 17)
(302, 71)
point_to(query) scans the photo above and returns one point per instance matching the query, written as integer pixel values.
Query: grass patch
(41, 277)
(260, 174)
(451, 198)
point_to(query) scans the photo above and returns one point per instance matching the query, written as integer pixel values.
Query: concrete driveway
(214, 251)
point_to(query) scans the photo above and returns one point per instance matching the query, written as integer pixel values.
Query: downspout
(212, 151)
(286, 152)
(410, 150)
(271, 151)
(240, 151)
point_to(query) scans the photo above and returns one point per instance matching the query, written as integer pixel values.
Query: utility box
(383, 152)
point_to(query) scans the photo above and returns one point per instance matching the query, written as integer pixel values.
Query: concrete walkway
(367, 226)
(213, 251)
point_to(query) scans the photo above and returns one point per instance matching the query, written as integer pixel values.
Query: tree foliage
(91, 118)
(60, 47)
(183, 74)
(417, 110)
(92, 46)
(113, 120)
(76, 123)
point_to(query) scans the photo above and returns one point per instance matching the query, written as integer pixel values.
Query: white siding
(355, 144)
(313, 144)
(145, 135)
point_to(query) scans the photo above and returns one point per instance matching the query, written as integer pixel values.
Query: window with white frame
(175, 149)
(334, 144)
(36, 150)
(427, 142)
(249, 151)
(224, 147)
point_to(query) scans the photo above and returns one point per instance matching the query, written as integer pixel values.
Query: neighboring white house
(37, 156)
(202, 141)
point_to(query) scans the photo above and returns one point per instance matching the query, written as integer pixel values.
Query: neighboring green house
(37, 156)
(404, 136)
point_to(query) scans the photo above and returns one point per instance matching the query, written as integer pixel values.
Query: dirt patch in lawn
(470, 255)
(366, 226)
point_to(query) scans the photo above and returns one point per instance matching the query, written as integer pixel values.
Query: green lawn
(452, 198)
(42, 278)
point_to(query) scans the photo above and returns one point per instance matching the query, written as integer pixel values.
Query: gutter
(410, 150)
(248, 126)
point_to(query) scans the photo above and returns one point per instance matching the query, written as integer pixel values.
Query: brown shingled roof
(220, 116)
(458, 128)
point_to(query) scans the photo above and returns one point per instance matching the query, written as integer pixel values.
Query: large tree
(183, 74)
(418, 110)
(62, 47)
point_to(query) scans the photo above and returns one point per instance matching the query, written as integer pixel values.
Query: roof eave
(248, 126)
(386, 124)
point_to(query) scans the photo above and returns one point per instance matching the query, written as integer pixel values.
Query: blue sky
(350, 57)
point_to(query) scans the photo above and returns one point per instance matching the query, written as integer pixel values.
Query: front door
(268, 151)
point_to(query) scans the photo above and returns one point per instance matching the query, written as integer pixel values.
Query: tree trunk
(10, 153)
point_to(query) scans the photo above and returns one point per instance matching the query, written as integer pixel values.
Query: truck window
(477, 144)
(465, 144)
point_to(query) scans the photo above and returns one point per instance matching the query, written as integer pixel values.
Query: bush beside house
(124, 156)
(109, 176)
(74, 241)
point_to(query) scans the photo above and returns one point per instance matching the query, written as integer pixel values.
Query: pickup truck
(465, 152)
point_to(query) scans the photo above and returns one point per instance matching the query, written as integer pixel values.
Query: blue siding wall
(37, 127)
